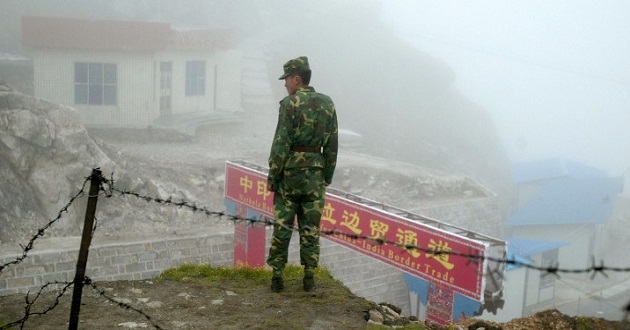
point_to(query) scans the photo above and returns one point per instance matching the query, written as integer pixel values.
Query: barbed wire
(41, 231)
(594, 269)
(28, 306)
(108, 188)
(119, 303)
(553, 270)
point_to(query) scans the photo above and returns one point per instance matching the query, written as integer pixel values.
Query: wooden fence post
(86, 239)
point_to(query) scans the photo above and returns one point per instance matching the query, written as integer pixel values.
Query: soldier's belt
(306, 149)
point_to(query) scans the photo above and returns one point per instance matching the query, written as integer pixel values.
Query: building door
(166, 78)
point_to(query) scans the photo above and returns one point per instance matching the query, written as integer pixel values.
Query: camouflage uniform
(307, 120)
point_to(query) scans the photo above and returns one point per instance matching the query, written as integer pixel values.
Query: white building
(133, 74)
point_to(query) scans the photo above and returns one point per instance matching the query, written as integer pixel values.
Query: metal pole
(86, 239)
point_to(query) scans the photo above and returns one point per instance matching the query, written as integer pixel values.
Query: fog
(470, 87)
(553, 74)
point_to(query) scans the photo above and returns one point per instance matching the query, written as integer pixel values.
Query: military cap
(295, 66)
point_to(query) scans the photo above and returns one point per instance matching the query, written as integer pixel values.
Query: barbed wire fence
(101, 185)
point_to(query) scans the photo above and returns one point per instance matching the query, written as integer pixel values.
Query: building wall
(138, 84)
(222, 85)
(114, 261)
(580, 238)
(137, 104)
(364, 276)
(229, 78)
(514, 296)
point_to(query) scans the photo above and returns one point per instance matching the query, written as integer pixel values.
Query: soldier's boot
(277, 283)
(309, 280)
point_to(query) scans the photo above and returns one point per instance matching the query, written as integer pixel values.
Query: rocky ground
(220, 305)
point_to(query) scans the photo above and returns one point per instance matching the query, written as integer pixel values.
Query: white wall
(580, 238)
(54, 81)
(229, 89)
(513, 295)
(138, 84)
(223, 77)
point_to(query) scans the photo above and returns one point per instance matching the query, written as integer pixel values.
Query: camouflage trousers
(300, 195)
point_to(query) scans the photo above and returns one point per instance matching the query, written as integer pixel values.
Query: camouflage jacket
(306, 119)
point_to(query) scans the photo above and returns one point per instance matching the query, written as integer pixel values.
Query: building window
(195, 78)
(95, 83)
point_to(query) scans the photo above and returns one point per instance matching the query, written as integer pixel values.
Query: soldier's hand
(272, 186)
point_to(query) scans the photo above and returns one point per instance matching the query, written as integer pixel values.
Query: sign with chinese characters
(426, 261)
(248, 187)
(380, 234)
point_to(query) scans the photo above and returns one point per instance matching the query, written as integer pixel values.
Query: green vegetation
(242, 278)
(245, 278)
(239, 277)
(584, 323)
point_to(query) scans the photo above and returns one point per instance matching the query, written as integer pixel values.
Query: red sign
(248, 187)
(247, 242)
(380, 234)
(439, 305)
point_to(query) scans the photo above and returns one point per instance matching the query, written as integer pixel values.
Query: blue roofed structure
(553, 169)
(567, 201)
(562, 200)
(519, 250)
(562, 208)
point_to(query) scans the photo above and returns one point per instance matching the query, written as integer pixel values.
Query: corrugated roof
(569, 201)
(73, 33)
(553, 168)
(200, 39)
(520, 249)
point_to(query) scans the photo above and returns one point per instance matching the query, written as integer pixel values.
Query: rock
(45, 155)
(155, 304)
(179, 324)
(376, 316)
(133, 325)
(388, 315)
(5, 87)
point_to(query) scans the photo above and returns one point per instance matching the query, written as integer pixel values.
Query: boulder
(45, 156)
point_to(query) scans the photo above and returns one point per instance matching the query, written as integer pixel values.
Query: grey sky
(555, 75)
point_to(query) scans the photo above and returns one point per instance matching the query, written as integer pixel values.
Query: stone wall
(113, 261)
(142, 259)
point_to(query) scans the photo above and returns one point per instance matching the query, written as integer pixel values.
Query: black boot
(309, 280)
(277, 284)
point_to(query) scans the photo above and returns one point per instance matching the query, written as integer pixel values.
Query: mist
(553, 75)
(471, 88)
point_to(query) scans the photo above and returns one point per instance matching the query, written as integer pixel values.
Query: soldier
(301, 164)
